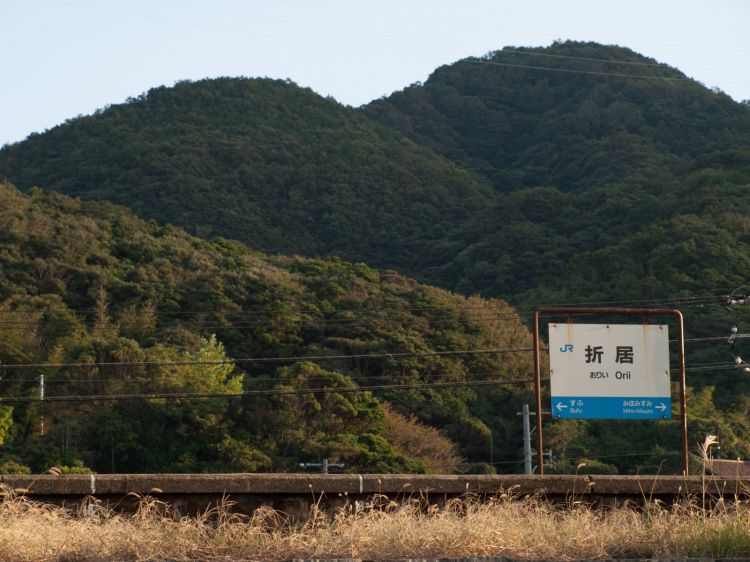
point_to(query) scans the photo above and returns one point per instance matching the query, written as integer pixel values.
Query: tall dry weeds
(505, 526)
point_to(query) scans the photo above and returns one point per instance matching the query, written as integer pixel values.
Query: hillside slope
(121, 306)
(104, 304)
(263, 161)
(574, 115)
(548, 160)
(584, 159)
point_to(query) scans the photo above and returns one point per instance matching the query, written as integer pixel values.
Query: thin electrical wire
(591, 457)
(377, 326)
(431, 384)
(577, 71)
(634, 302)
(573, 57)
(249, 393)
(401, 16)
(726, 367)
(251, 360)
(448, 317)
(256, 379)
(619, 455)
(114, 378)
(513, 308)
(238, 321)
(506, 299)
(360, 32)
(295, 358)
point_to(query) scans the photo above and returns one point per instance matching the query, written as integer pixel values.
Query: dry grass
(506, 526)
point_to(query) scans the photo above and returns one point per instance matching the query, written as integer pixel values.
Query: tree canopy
(108, 305)
(573, 173)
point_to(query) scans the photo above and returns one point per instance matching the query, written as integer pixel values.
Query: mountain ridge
(256, 147)
(535, 185)
(509, 159)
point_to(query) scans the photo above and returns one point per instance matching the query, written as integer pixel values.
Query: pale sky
(62, 58)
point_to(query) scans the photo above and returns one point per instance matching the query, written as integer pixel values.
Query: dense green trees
(530, 184)
(284, 170)
(582, 164)
(121, 307)
(486, 178)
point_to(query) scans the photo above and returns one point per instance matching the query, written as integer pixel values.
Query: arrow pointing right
(661, 407)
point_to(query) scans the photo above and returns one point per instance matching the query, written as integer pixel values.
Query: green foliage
(170, 320)
(481, 468)
(6, 423)
(581, 166)
(76, 468)
(13, 466)
(537, 186)
(584, 466)
(285, 171)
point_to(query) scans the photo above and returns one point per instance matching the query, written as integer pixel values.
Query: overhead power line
(298, 318)
(392, 36)
(302, 391)
(293, 359)
(637, 302)
(265, 33)
(722, 367)
(297, 358)
(428, 375)
(436, 316)
(577, 71)
(573, 57)
(282, 392)
(375, 322)
(458, 308)
(400, 16)
(358, 377)
(277, 392)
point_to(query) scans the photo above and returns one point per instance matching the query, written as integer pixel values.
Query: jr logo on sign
(568, 347)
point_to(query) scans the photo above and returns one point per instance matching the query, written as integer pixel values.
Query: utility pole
(41, 398)
(528, 451)
(526, 440)
(492, 449)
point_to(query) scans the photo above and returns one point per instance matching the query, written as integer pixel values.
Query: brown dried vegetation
(506, 526)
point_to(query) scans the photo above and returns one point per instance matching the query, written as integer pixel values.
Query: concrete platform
(294, 493)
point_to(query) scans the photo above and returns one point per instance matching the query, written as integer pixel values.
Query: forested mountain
(577, 172)
(538, 174)
(124, 307)
(263, 161)
(608, 186)
(575, 115)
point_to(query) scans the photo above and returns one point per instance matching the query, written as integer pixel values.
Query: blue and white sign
(610, 371)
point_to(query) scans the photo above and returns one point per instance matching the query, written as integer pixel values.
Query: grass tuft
(524, 528)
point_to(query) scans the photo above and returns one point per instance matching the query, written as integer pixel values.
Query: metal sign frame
(646, 313)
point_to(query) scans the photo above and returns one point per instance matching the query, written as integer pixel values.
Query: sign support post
(645, 312)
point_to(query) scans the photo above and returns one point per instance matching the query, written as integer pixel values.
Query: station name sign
(610, 371)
